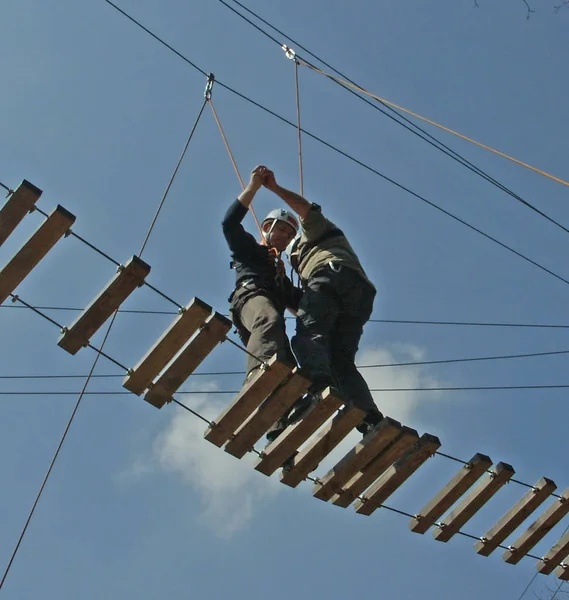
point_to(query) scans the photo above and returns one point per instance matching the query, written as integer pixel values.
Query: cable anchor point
(209, 86)
(289, 52)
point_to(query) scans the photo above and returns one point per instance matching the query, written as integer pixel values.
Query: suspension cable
(98, 355)
(105, 393)
(401, 119)
(55, 456)
(173, 177)
(353, 159)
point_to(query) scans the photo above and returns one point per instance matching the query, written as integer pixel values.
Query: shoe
(252, 373)
(302, 406)
(273, 434)
(369, 422)
(289, 462)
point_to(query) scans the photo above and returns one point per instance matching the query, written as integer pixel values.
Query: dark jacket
(255, 268)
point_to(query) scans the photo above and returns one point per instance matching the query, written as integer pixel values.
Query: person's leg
(267, 332)
(357, 304)
(267, 337)
(316, 317)
(351, 383)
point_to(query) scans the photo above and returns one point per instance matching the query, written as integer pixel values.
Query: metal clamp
(289, 52)
(209, 86)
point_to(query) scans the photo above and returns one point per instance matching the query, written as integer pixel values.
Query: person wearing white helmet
(262, 290)
(336, 303)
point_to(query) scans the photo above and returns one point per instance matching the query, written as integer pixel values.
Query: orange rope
(233, 162)
(298, 128)
(409, 112)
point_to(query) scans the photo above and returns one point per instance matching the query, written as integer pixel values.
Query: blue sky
(95, 113)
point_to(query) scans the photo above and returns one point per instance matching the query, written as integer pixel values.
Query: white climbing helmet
(279, 214)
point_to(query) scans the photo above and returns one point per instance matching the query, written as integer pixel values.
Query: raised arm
(256, 181)
(237, 238)
(296, 202)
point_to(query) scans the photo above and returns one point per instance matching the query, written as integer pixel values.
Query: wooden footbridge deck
(365, 477)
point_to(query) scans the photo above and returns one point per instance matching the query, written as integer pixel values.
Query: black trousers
(261, 326)
(265, 331)
(336, 304)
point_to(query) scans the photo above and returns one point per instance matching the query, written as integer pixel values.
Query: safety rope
(431, 122)
(299, 129)
(232, 159)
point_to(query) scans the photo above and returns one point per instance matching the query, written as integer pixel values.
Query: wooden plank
(274, 455)
(167, 346)
(515, 516)
(397, 474)
(274, 407)
(537, 530)
(249, 398)
(555, 556)
(127, 279)
(362, 480)
(453, 490)
(474, 501)
(32, 252)
(563, 572)
(326, 440)
(188, 360)
(18, 205)
(356, 459)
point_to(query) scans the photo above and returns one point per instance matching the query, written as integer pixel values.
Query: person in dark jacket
(262, 290)
(336, 303)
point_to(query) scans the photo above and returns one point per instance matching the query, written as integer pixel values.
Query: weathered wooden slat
(474, 501)
(20, 203)
(31, 253)
(274, 407)
(555, 556)
(295, 435)
(127, 279)
(515, 516)
(167, 346)
(453, 490)
(326, 440)
(252, 394)
(537, 530)
(209, 335)
(357, 458)
(397, 474)
(362, 480)
(563, 572)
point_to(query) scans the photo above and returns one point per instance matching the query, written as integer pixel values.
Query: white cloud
(399, 405)
(229, 488)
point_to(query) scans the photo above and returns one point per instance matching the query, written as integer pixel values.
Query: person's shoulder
(314, 214)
